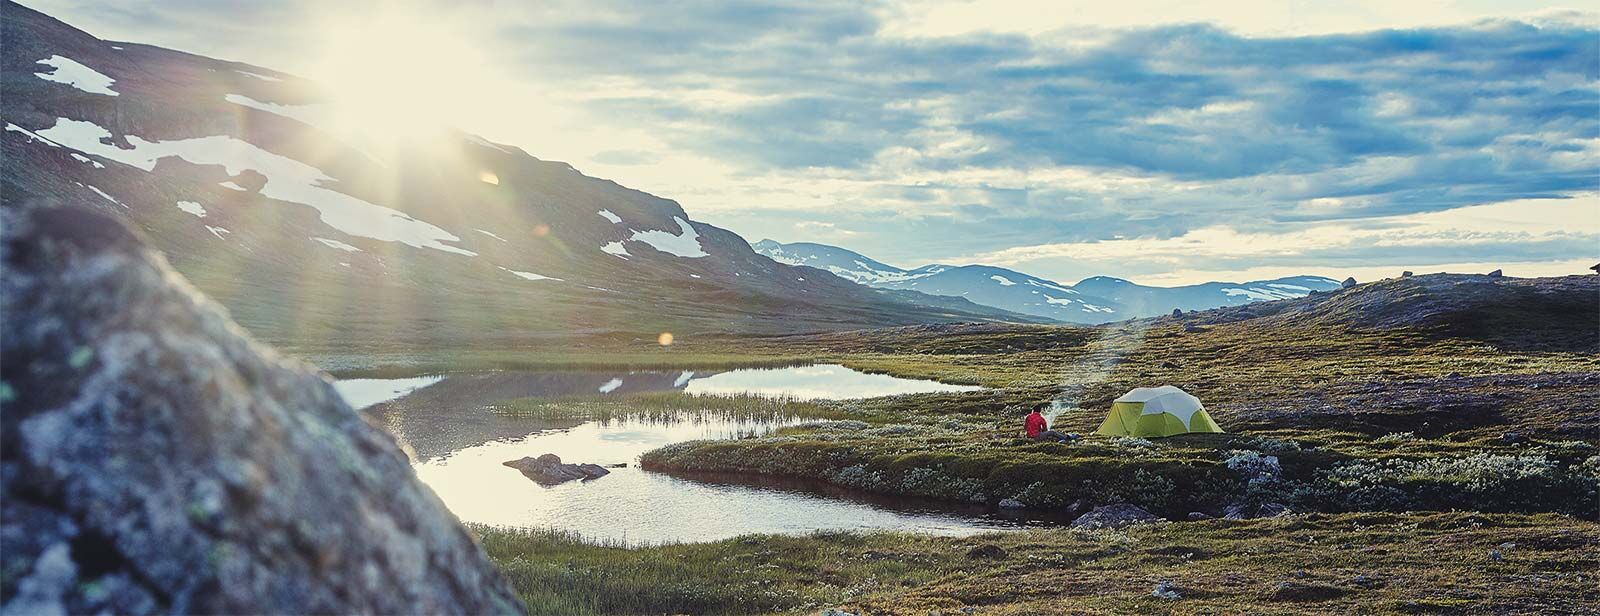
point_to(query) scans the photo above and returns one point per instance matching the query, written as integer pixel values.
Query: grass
(1368, 562)
(666, 406)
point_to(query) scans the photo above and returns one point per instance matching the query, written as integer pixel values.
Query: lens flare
(665, 339)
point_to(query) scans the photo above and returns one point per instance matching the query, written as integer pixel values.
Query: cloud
(936, 130)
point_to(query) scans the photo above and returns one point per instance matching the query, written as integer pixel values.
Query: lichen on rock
(155, 459)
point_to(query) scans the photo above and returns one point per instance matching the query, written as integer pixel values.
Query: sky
(1161, 141)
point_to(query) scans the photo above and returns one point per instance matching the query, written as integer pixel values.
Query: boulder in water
(548, 469)
(155, 459)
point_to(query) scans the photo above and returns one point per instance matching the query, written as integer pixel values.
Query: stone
(1512, 438)
(1192, 328)
(1196, 516)
(1166, 590)
(158, 460)
(1348, 282)
(1406, 274)
(1012, 503)
(1169, 365)
(1177, 312)
(549, 470)
(1496, 274)
(987, 551)
(1114, 516)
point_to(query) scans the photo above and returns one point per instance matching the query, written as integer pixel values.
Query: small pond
(460, 447)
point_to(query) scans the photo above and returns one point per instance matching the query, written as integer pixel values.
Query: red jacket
(1034, 424)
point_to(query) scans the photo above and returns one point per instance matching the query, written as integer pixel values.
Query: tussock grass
(1370, 563)
(667, 407)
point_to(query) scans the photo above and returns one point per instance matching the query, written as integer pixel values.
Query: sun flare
(397, 76)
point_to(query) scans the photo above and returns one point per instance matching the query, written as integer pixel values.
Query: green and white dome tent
(1157, 411)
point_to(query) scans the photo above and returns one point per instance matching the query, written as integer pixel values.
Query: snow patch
(103, 195)
(530, 275)
(310, 115)
(476, 140)
(218, 231)
(230, 185)
(615, 248)
(685, 244)
(606, 214)
(85, 159)
(1004, 282)
(192, 208)
(32, 136)
(611, 386)
(287, 180)
(1054, 287)
(70, 72)
(258, 76)
(683, 379)
(490, 234)
(1260, 294)
(335, 244)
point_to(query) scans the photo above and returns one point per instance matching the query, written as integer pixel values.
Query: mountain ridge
(1097, 299)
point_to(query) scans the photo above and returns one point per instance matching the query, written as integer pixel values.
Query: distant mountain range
(241, 177)
(1100, 299)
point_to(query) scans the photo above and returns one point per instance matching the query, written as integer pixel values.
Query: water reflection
(460, 446)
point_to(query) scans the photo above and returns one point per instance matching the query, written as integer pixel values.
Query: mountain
(1144, 300)
(1100, 299)
(313, 236)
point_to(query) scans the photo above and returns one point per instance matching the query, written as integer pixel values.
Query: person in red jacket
(1038, 429)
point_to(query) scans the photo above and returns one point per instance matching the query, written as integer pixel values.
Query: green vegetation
(1370, 562)
(665, 406)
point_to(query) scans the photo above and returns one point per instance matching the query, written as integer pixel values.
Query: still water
(460, 447)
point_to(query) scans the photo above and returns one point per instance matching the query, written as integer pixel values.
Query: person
(1038, 429)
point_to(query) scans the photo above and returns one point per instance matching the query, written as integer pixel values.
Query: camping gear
(1156, 411)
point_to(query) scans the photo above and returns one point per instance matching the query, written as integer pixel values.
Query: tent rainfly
(1157, 411)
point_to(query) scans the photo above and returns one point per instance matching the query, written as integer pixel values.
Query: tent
(1157, 411)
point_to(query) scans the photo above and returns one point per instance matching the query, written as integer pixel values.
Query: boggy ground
(1326, 411)
(1381, 563)
(1366, 411)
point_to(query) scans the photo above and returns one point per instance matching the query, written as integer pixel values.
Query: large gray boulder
(154, 459)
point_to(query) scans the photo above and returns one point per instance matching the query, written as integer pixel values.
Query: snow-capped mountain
(312, 238)
(1142, 300)
(1095, 300)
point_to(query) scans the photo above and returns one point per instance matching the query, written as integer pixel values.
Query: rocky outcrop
(548, 469)
(154, 459)
(1114, 516)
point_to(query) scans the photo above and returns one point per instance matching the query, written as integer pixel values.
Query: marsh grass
(1372, 562)
(668, 407)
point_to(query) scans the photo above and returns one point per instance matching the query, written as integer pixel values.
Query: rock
(616, 465)
(987, 551)
(1365, 581)
(1114, 516)
(1177, 312)
(1496, 274)
(1192, 328)
(1196, 516)
(548, 469)
(1170, 365)
(1166, 590)
(1012, 503)
(157, 460)
(1243, 511)
(835, 612)
(1406, 274)
(1348, 282)
(1512, 438)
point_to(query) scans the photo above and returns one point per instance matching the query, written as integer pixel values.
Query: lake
(460, 446)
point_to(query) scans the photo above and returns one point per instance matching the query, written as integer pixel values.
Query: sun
(399, 75)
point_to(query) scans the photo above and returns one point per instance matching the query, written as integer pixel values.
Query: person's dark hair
(1041, 406)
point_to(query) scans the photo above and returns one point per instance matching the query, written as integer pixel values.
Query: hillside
(1100, 299)
(312, 235)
